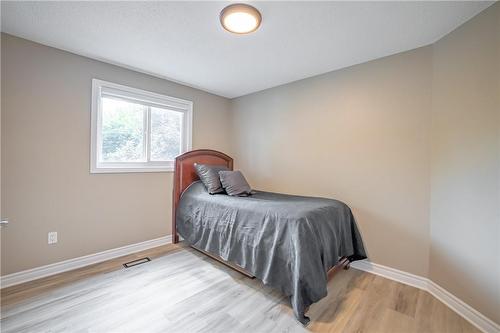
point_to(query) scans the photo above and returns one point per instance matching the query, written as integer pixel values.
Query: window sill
(130, 170)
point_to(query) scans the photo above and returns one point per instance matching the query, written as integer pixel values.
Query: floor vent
(136, 262)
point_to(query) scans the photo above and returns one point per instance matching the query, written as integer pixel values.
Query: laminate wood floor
(181, 290)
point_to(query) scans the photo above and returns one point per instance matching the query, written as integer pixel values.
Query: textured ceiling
(184, 42)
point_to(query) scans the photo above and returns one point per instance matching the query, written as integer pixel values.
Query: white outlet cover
(52, 237)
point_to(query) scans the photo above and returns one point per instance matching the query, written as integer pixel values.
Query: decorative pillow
(234, 183)
(209, 175)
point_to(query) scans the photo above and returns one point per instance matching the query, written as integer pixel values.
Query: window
(137, 131)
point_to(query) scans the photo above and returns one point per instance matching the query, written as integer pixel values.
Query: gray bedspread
(289, 242)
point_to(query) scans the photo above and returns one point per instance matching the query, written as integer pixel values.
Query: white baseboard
(466, 311)
(67, 265)
(463, 309)
(391, 273)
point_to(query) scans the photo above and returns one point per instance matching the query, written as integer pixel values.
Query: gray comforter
(288, 242)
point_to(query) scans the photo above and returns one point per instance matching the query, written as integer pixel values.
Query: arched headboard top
(185, 174)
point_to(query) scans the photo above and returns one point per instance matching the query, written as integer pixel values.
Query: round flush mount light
(240, 18)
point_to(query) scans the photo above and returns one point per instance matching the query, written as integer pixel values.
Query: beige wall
(465, 165)
(411, 142)
(46, 185)
(360, 135)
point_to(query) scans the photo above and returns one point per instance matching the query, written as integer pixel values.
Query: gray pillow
(234, 183)
(209, 175)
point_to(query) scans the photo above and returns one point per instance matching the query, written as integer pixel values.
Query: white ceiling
(184, 42)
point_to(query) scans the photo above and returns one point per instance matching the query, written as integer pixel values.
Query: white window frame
(142, 97)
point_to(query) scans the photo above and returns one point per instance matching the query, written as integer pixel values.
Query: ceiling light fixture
(240, 18)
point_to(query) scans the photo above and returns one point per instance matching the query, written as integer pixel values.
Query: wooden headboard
(185, 175)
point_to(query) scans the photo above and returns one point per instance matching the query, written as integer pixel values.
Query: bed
(291, 243)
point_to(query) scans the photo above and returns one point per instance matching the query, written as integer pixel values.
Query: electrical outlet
(52, 237)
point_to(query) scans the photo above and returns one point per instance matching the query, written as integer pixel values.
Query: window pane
(122, 131)
(165, 134)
